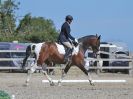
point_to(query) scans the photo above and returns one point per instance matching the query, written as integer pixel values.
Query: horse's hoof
(52, 84)
(91, 83)
(59, 83)
(26, 83)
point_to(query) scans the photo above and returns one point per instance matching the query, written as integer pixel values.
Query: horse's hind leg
(28, 53)
(86, 73)
(30, 72)
(24, 61)
(64, 72)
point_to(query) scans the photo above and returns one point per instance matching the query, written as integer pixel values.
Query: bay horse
(54, 53)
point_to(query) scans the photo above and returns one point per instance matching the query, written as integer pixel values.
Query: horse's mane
(86, 37)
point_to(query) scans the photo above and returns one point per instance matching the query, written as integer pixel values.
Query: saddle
(63, 50)
(69, 51)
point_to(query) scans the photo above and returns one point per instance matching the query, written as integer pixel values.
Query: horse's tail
(29, 50)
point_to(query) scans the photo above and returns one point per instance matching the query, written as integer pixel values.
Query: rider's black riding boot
(68, 54)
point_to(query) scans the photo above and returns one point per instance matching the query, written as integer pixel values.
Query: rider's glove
(75, 42)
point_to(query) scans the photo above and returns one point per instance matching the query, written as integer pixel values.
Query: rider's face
(69, 21)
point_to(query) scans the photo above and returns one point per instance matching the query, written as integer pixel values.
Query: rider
(65, 37)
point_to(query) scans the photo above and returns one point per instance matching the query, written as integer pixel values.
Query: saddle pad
(61, 49)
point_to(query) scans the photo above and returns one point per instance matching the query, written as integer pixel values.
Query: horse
(54, 53)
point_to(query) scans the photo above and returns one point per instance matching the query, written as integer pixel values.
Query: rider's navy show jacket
(65, 33)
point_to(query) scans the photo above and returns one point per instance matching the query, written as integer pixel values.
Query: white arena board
(82, 81)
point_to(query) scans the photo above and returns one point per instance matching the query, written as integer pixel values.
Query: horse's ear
(96, 35)
(99, 37)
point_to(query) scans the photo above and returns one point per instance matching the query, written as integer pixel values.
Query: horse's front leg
(30, 72)
(86, 70)
(81, 66)
(90, 79)
(44, 71)
(64, 72)
(62, 77)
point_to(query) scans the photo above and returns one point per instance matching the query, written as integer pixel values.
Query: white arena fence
(99, 67)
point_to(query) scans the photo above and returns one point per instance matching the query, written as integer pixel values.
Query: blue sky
(112, 19)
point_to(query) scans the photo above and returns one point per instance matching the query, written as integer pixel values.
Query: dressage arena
(14, 84)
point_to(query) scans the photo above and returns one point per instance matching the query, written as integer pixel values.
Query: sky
(112, 19)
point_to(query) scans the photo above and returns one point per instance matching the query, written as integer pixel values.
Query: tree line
(29, 29)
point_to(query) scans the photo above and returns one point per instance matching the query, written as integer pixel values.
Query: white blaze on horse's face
(38, 49)
(61, 49)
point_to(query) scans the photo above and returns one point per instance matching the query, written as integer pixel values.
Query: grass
(4, 95)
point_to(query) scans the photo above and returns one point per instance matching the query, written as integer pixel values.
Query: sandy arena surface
(14, 83)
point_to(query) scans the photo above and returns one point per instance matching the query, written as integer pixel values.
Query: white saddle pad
(61, 49)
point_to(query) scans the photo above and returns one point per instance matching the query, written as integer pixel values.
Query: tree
(32, 29)
(7, 19)
(37, 29)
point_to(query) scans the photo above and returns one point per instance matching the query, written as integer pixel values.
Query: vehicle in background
(121, 55)
(109, 50)
(114, 51)
(12, 46)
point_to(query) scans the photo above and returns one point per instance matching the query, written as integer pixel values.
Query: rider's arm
(71, 37)
(68, 33)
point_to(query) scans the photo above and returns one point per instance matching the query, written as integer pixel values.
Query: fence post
(131, 65)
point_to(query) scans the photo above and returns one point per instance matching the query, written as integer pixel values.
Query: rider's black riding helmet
(69, 17)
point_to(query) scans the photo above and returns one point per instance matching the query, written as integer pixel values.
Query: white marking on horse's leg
(28, 77)
(31, 71)
(87, 65)
(62, 77)
(90, 79)
(48, 77)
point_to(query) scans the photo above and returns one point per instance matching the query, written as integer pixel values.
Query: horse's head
(91, 41)
(95, 44)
